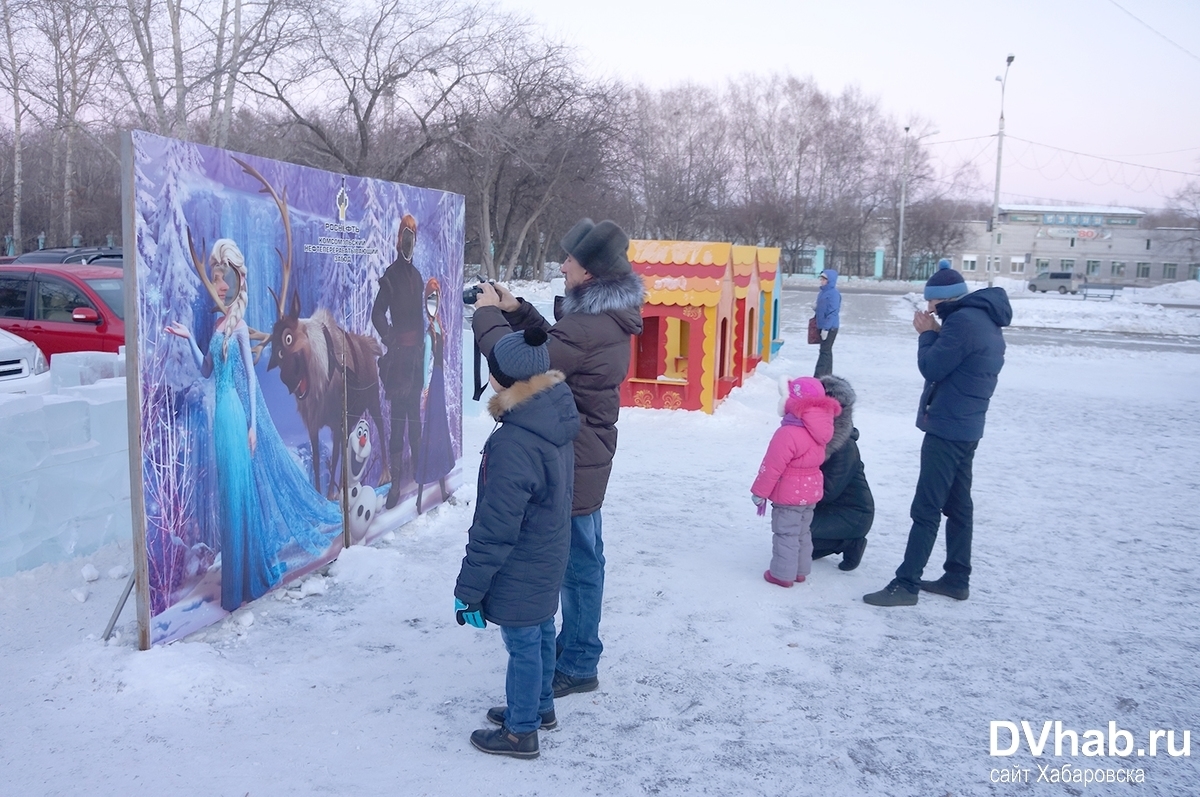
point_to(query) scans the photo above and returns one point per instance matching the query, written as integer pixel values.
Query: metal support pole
(992, 265)
(903, 186)
(112, 621)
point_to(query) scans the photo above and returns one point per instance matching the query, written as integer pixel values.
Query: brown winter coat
(590, 344)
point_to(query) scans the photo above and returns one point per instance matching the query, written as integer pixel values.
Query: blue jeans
(579, 643)
(527, 686)
(943, 488)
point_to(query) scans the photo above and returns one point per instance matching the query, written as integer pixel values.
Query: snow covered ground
(1083, 609)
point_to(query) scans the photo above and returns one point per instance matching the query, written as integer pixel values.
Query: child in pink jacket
(790, 476)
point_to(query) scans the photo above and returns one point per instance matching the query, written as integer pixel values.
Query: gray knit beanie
(518, 356)
(602, 249)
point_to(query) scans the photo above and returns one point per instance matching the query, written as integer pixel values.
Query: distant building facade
(1101, 244)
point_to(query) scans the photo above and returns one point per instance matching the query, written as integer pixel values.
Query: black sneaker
(894, 594)
(496, 716)
(568, 684)
(852, 555)
(940, 587)
(502, 741)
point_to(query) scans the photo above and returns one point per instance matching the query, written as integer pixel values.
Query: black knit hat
(602, 249)
(518, 356)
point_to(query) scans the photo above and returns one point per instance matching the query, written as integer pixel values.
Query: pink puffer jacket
(790, 473)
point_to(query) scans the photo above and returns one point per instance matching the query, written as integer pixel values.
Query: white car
(23, 367)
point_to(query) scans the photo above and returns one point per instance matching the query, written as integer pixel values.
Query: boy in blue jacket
(521, 533)
(961, 360)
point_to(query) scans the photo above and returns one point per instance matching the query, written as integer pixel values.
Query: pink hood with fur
(790, 473)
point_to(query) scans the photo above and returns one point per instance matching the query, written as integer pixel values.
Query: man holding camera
(589, 343)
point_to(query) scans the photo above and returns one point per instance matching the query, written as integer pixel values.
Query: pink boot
(768, 577)
(800, 579)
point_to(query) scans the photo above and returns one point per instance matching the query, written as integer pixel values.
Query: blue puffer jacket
(961, 364)
(521, 533)
(829, 302)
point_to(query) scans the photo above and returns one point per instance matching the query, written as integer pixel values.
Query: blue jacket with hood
(829, 302)
(961, 364)
(518, 542)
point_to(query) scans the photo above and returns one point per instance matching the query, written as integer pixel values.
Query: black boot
(894, 594)
(496, 715)
(568, 684)
(852, 554)
(950, 590)
(502, 741)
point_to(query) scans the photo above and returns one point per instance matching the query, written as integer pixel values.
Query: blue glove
(757, 499)
(472, 614)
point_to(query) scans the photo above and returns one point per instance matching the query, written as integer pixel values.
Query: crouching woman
(845, 512)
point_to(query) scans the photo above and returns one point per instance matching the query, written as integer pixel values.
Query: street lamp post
(994, 227)
(903, 186)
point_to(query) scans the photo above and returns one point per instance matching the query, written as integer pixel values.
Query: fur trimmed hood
(843, 425)
(596, 296)
(510, 398)
(542, 405)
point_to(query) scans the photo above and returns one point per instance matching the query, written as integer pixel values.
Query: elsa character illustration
(437, 454)
(270, 515)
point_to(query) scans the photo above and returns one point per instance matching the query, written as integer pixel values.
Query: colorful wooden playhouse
(707, 322)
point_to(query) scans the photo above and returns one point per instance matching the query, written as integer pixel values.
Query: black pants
(943, 488)
(825, 358)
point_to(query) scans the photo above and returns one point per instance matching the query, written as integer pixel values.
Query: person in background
(960, 359)
(589, 343)
(829, 306)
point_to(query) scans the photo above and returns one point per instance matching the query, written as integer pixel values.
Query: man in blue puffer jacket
(960, 359)
(829, 318)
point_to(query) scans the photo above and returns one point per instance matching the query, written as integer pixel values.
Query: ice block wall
(64, 465)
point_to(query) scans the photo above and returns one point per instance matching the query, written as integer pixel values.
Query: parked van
(1061, 281)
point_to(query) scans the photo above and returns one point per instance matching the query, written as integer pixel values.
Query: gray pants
(791, 544)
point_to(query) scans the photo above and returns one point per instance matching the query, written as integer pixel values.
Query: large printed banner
(298, 388)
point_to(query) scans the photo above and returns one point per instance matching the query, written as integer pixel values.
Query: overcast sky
(1117, 79)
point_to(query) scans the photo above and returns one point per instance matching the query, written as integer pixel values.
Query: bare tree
(369, 86)
(679, 154)
(522, 133)
(12, 72)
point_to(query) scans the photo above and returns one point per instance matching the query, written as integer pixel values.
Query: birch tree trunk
(13, 73)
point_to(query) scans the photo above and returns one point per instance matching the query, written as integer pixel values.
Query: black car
(90, 255)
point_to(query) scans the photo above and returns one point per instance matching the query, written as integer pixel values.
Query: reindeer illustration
(332, 373)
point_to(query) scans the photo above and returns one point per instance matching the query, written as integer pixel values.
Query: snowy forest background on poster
(181, 188)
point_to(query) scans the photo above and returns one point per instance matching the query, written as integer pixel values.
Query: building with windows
(1101, 244)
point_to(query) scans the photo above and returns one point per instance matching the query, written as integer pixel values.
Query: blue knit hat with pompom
(946, 283)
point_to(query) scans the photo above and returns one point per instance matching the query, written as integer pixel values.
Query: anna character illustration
(437, 453)
(268, 511)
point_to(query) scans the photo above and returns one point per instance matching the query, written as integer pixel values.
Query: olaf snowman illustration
(364, 501)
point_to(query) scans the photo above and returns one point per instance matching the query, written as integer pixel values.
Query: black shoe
(940, 587)
(568, 685)
(393, 496)
(496, 715)
(852, 554)
(894, 594)
(502, 741)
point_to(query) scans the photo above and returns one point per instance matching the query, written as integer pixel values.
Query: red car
(63, 307)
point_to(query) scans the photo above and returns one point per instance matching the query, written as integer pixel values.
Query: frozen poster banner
(298, 383)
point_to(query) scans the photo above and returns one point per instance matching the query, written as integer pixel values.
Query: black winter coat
(590, 344)
(961, 364)
(847, 509)
(521, 534)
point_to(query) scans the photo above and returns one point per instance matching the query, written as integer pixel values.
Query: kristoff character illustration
(399, 317)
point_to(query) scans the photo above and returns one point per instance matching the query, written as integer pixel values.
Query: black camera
(470, 295)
